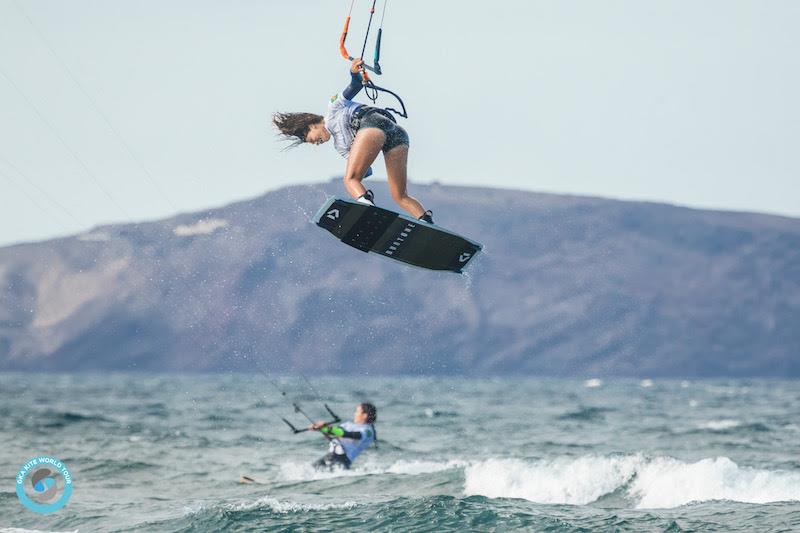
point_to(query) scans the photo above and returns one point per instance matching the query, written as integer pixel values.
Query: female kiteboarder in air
(359, 133)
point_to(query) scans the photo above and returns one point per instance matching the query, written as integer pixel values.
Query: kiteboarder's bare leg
(396, 168)
(366, 147)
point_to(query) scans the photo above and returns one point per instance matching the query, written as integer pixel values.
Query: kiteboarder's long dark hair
(295, 126)
(370, 411)
(372, 415)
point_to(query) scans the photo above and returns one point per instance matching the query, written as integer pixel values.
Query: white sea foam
(593, 383)
(666, 482)
(661, 482)
(292, 471)
(285, 507)
(23, 530)
(720, 425)
(575, 481)
(646, 383)
(414, 468)
(275, 505)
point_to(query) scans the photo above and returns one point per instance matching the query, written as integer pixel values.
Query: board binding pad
(396, 236)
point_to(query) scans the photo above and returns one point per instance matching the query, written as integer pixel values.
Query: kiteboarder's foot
(367, 198)
(427, 216)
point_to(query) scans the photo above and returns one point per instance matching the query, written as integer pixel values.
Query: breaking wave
(648, 483)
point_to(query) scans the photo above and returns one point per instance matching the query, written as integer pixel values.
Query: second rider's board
(396, 236)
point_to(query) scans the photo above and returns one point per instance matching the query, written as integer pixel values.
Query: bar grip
(377, 62)
(343, 38)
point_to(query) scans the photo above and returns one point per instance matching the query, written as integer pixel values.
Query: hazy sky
(686, 102)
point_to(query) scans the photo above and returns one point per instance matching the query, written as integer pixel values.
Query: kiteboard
(396, 236)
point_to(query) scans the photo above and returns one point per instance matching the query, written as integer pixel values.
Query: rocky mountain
(567, 286)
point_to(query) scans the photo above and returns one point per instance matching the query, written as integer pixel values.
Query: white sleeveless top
(337, 122)
(351, 447)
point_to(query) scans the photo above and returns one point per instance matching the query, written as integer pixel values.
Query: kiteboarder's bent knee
(352, 182)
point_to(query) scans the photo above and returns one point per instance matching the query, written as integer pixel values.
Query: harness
(364, 111)
(335, 447)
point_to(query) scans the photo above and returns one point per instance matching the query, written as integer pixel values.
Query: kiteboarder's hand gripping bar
(356, 66)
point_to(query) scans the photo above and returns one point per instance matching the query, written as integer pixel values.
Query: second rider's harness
(365, 110)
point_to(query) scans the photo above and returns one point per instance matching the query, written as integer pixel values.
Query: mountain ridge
(568, 286)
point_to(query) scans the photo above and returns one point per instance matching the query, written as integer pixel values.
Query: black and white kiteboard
(396, 236)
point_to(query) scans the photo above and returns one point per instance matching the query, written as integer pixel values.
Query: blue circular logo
(44, 484)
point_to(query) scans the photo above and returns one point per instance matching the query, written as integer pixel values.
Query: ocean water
(166, 452)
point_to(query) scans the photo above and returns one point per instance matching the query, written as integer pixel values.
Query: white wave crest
(667, 482)
(564, 480)
(660, 482)
(23, 530)
(286, 507)
(275, 505)
(719, 425)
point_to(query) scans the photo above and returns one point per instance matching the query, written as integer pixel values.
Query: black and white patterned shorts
(395, 135)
